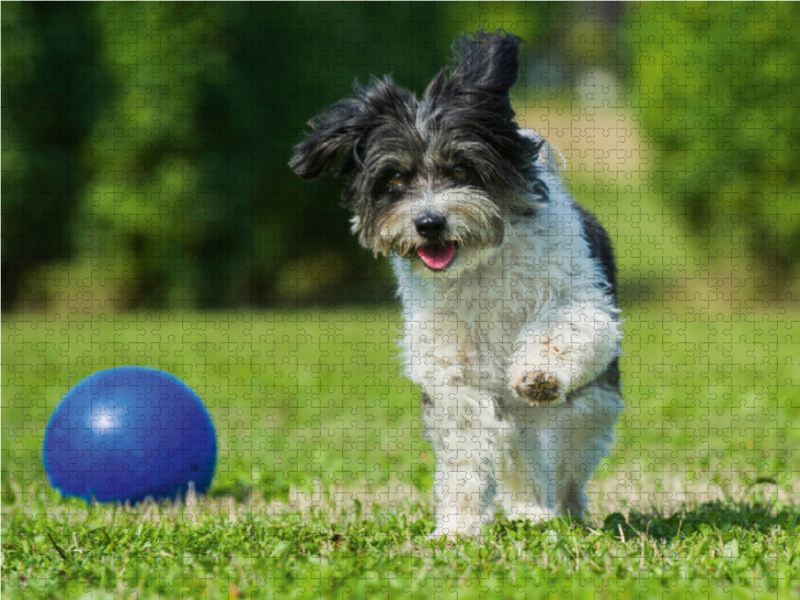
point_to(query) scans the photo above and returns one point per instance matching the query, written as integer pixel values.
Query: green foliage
(716, 89)
(53, 91)
(174, 190)
(145, 145)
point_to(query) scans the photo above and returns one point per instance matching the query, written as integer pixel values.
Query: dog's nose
(430, 226)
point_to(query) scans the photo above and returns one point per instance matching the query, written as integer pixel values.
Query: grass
(731, 548)
(323, 485)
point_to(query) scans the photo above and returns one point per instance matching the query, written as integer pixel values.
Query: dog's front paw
(538, 388)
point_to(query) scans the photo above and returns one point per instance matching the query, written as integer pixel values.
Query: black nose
(430, 226)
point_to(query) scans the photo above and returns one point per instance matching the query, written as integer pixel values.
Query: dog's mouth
(437, 256)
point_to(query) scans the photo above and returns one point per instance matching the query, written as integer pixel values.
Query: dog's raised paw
(538, 388)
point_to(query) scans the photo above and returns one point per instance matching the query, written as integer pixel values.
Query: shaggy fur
(508, 285)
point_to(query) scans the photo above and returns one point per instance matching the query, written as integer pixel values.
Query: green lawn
(323, 485)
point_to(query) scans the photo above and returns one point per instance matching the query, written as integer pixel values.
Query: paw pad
(538, 388)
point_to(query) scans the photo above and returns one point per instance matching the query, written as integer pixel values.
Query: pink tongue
(437, 256)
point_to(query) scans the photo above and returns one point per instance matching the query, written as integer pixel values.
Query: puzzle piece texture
(356, 241)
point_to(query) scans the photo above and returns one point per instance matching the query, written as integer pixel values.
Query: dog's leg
(460, 423)
(558, 358)
(564, 349)
(549, 454)
(582, 434)
(526, 476)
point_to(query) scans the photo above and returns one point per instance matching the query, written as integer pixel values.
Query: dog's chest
(482, 312)
(487, 307)
(468, 327)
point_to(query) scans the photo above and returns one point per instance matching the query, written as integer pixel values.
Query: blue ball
(128, 433)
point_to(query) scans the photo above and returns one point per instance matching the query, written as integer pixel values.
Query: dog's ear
(335, 133)
(486, 69)
(339, 131)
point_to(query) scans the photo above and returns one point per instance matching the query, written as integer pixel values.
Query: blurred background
(145, 145)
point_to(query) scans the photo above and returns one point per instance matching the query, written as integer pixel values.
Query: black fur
(339, 129)
(600, 248)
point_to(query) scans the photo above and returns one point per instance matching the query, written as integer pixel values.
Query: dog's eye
(398, 179)
(459, 172)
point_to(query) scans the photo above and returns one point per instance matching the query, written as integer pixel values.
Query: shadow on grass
(719, 516)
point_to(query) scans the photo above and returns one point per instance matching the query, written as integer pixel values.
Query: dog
(508, 286)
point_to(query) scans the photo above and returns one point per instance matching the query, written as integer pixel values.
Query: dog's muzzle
(440, 252)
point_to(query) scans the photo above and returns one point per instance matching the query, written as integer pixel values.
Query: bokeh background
(149, 217)
(145, 146)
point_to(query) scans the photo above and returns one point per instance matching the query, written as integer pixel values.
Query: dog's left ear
(487, 68)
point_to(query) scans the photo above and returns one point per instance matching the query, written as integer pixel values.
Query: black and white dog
(508, 285)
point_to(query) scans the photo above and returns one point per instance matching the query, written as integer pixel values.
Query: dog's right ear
(335, 133)
(339, 131)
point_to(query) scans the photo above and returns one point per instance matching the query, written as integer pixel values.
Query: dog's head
(437, 178)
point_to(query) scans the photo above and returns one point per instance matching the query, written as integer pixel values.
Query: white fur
(474, 330)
